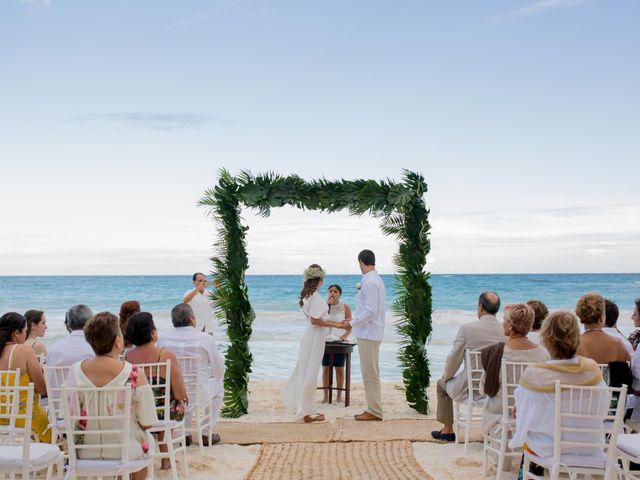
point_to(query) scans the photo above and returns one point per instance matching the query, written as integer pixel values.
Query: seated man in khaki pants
(473, 336)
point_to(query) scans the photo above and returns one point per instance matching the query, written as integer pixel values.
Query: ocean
(279, 323)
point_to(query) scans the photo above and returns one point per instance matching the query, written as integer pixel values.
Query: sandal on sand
(315, 418)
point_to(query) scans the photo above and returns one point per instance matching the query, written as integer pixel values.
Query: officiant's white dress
(300, 390)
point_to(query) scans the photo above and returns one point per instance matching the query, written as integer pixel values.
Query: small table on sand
(332, 348)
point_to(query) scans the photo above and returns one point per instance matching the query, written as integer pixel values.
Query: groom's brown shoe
(367, 417)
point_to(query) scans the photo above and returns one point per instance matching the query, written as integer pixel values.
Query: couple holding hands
(367, 325)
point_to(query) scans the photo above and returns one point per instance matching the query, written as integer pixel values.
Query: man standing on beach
(199, 301)
(481, 333)
(368, 327)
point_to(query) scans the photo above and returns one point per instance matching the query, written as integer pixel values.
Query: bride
(301, 387)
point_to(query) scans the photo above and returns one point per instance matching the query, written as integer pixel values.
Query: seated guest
(36, 326)
(73, 347)
(535, 397)
(541, 311)
(594, 343)
(518, 319)
(141, 332)
(184, 339)
(14, 355)
(338, 312)
(102, 332)
(473, 335)
(127, 309)
(611, 314)
(634, 337)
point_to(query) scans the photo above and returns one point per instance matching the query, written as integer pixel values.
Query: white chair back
(510, 373)
(584, 423)
(10, 402)
(17, 436)
(8, 378)
(97, 419)
(20, 454)
(190, 367)
(55, 379)
(159, 377)
(474, 370)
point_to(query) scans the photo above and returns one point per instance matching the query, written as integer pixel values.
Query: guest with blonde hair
(518, 318)
(594, 342)
(535, 397)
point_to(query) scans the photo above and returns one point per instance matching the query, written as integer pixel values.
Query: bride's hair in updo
(312, 278)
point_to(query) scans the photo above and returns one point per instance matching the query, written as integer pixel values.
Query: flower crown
(313, 272)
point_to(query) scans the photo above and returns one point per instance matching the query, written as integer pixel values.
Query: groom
(368, 327)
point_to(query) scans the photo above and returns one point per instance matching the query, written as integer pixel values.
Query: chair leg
(456, 421)
(198, 419)
(467, 427)
(168, 437)
(185, 466)
(485, 455)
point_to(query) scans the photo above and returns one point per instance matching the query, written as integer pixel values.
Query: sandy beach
(230, 461)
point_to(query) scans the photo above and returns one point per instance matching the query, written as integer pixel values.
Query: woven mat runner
(338, 461)
(415, 430)
(242, 433)
(344, 430)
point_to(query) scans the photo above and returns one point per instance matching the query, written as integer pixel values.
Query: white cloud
(36, 3)
(544, 6)
(153, 121)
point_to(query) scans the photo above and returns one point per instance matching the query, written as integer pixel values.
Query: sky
(523, 116)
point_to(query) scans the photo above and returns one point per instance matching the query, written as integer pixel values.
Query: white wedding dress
(300, 389)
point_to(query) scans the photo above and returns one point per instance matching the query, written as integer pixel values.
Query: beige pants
(445, 404)
(369, 351)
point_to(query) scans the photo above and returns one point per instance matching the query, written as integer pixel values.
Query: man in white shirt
(611, 321)
(368, 328)
(72, 348)
(185, 339)
(199, 301)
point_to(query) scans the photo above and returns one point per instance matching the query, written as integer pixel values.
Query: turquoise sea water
(279, 324)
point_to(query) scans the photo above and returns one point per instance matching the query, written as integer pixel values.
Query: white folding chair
(173, 432)
(98, 424)
(55, 379)
(198, 415)
(585, 432)
(496, 441)
(19, 454)
(628, 450)
(469, 411)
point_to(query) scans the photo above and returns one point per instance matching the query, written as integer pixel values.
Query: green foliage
(403, 215)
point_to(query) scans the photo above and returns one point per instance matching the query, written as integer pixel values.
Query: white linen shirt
(202, 307)
(368, 319)
(189, 341)
(69, 350)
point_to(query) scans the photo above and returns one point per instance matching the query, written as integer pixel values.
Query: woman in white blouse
(300, 390)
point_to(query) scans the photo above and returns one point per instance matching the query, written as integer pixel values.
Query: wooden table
(332, 348)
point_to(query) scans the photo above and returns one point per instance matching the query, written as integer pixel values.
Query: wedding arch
(402, 212)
